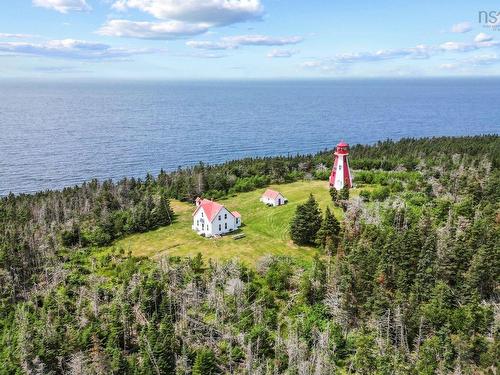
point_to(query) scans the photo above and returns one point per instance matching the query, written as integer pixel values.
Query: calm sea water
(58, 134)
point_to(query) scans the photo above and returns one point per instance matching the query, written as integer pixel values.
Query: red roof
(236, 214)
(271, 194)
(211, 208)
(342, 144)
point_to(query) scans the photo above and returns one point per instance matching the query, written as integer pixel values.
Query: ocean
(57, 134)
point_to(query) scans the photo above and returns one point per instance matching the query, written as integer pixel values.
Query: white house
(273, 198)
(211, 218)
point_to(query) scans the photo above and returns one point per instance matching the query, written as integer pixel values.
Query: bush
(380, 194)
(249, 184)
(70, 237)
(365, 194)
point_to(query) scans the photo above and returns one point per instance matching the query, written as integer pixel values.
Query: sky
(247, 39)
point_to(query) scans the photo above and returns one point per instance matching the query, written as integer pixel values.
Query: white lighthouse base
(341, 165)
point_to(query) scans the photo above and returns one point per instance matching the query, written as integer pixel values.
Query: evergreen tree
(479, 277)
(306, 223)
(313, 284)
(164, 347)
(158, 347)
(364, 360)
(163, 214)
(344, 193)
(334, 194)
(328, 234)
(426, 269)
(118, 363)
(205, 363)
(71, 237)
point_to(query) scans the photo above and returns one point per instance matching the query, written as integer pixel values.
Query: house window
(197, 223)
(225, 216)
(203, 226)
(219, 217)
(202, 214)
(225, 226)
(237, 220)
(220, 227)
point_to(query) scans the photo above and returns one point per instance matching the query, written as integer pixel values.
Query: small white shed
(273, 198)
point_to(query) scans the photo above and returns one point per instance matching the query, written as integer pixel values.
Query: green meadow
(265, 228)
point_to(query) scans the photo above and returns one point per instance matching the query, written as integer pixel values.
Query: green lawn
(265, 228)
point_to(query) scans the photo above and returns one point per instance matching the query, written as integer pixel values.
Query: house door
(279, 201)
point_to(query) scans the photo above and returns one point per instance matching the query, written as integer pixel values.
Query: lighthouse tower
(341, 175)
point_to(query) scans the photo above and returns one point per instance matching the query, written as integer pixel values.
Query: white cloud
(370, 56)
(151, 30)
(70, 49)
(326, 66)
(213, 12)
(282, 53)
(419, 52)
(311, 64)
(465, 65)
(462, 27)
(204, 55)
(339, 62)
(63, 6)
(467, 47)
(458, 46)
(16, 36)
(208, 45)
(58, 69)
(181, 18)
(233, 42)
(483, 60)
(263, 40)
(449, 66)
(482, 37)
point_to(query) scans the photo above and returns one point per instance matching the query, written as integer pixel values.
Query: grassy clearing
(265, 228)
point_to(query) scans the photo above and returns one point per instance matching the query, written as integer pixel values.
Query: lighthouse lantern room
(341, 174)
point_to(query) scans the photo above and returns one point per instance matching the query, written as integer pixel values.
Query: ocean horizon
(57, 134)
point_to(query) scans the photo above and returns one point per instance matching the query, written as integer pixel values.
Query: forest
(406, 283)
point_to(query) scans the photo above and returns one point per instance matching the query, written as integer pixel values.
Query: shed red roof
(271, 194)
(210, 208)
(236, 213)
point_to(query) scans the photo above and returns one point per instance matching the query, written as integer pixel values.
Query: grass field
(265, 228)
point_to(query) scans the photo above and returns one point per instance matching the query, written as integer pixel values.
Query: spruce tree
(306, 223)
(328, 234)
(164, 347)
(158, 347)
(343, 197)
(479, 277)
(334, 194)
(163, 214)
(139, 221)
(426, 268)
(205, 363)
(344, 193)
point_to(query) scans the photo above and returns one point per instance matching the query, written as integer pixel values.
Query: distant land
(61, 134)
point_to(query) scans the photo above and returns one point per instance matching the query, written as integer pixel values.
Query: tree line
(406, 283)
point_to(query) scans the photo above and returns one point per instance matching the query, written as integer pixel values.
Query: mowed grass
(265, 228)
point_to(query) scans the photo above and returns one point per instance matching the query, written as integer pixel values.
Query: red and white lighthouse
(341, 174)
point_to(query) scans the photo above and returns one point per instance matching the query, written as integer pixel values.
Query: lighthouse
(341, 175)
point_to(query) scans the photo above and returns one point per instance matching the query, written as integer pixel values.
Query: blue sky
(244, 39)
